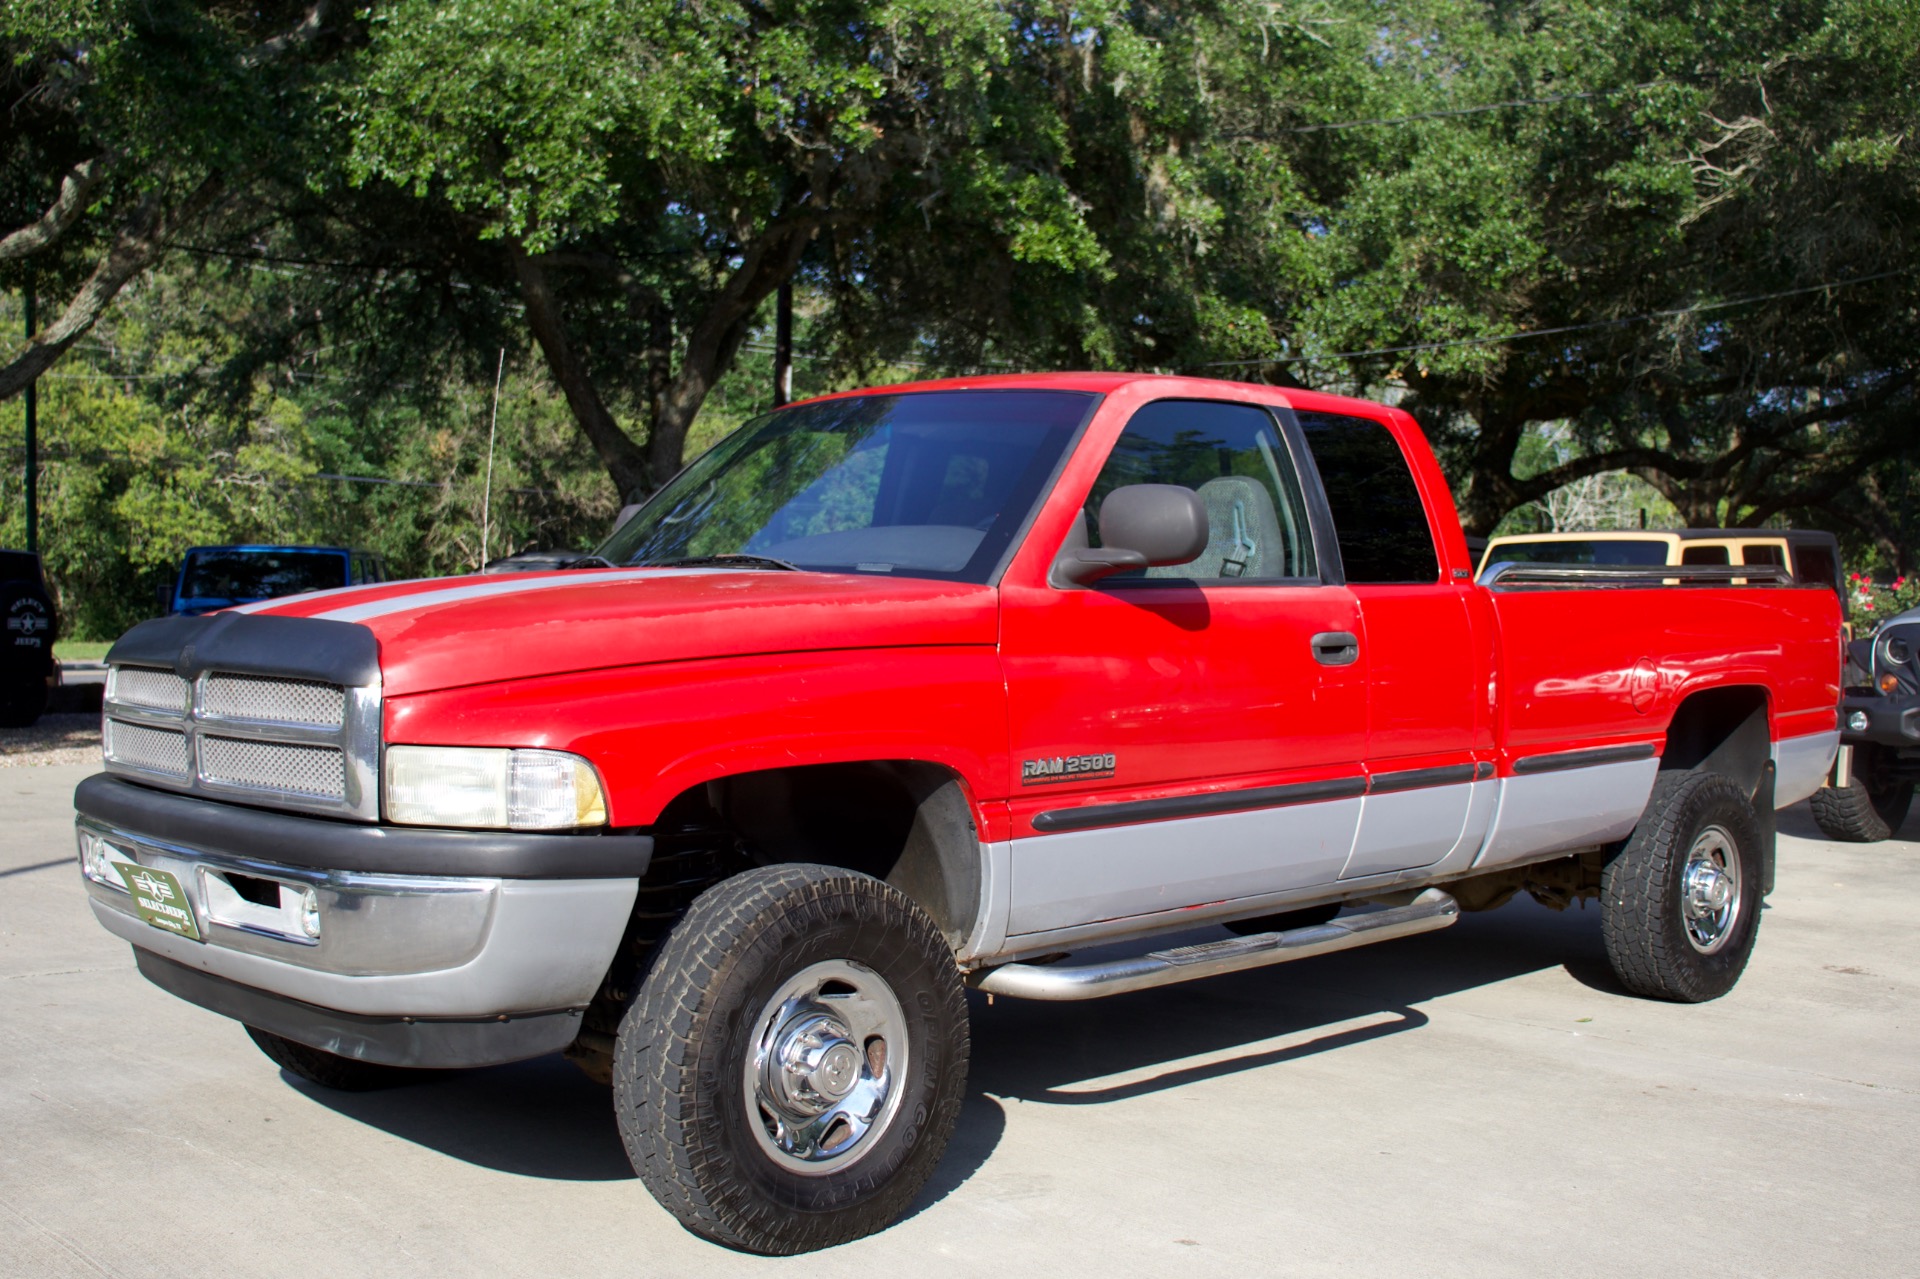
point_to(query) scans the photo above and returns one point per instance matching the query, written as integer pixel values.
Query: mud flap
(1763, 810)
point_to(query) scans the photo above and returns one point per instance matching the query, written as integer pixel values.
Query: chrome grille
(297, 744)
(144, 686)
(154, 749)
(319, 771)
(278, 701)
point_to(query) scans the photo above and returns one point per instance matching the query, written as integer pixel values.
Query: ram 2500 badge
(903, 691)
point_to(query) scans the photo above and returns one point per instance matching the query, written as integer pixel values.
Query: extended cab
(900, 691)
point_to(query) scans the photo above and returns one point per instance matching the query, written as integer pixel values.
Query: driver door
(1193, 733)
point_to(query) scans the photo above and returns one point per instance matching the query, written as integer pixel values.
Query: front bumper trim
(391, 1041)
(220, 827)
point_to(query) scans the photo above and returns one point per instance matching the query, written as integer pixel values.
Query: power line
(1695, 309)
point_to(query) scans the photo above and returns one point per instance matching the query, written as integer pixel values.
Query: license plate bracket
(159, 899)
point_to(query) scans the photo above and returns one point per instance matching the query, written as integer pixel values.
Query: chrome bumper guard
(411, 970)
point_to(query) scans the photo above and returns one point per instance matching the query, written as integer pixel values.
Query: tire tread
(1650, 957)
(1849, 815)
(657, 1092)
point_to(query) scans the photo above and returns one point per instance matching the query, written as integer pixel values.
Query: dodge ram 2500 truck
(902, 691)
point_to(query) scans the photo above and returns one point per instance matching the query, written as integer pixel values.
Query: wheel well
(1721, 730)
(903, 821)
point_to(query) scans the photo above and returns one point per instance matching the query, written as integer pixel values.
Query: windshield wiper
(591, 561)
(738, 559)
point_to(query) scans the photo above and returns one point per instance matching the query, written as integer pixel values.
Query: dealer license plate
(159, 899)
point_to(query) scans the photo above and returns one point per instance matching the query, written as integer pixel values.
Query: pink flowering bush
(1875, 600)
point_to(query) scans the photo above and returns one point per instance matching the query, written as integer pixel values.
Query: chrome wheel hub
(823, 1067)
(1710, 890)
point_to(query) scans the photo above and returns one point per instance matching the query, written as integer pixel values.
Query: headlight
(496, 789)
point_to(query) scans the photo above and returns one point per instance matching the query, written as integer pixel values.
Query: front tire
(1861, 812)
(1680, 903)
(793, 1066)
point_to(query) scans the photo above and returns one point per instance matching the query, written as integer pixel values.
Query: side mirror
(1141, 525)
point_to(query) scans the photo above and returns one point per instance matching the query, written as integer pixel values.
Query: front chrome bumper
(389, 945)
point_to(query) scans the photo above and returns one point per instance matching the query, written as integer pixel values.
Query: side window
(1815, 564)
(1378, 517)
(1704, 555)
(1233, 456)
(1761, 553)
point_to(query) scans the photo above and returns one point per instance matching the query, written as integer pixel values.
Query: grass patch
(81, 650)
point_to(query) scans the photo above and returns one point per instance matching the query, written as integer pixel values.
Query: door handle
(1336, 648)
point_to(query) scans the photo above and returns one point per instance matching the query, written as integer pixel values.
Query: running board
(1430, 910)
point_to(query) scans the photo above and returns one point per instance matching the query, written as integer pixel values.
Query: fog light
(1857, 722)
(309, 912)
(96, 861)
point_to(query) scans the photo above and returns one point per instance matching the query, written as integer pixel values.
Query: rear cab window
(1379, 521)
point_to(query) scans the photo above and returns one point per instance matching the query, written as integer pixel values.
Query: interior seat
(1243, 534)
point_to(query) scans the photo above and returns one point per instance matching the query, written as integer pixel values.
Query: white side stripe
(509, 586)
(358, 588)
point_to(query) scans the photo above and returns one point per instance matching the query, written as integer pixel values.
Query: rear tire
(1680, 902)
(331, 1070)
(1861, 812)
(794, 1063)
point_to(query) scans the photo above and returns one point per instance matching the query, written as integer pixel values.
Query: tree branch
(304, 34)
(65, 210)
(769, 261)
(140, 242)
(625, 461)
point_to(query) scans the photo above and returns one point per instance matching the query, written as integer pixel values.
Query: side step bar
(1430, 910)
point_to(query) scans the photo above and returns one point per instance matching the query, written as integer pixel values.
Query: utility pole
(783, 345)
(33, 443)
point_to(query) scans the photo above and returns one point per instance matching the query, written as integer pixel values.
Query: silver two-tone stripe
(505, 586)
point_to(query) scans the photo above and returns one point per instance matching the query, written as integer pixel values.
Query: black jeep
(27, 668)
(1879, 762)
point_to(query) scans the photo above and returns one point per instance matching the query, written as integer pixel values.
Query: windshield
(1606, 550)
(259, 575)
(932, 484)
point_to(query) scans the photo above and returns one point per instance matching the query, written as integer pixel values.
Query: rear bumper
(1891, 721)
(427, 945)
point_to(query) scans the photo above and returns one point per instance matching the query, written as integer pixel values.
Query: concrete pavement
(1482, 1101)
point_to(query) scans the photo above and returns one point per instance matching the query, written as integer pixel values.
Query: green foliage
(1242, 190)
(139, 463)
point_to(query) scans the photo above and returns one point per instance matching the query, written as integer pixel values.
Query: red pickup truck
(905, 690)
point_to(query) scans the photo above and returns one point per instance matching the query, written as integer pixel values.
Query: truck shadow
(545, 1119)
(1103, 1051)
(539, 1118)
